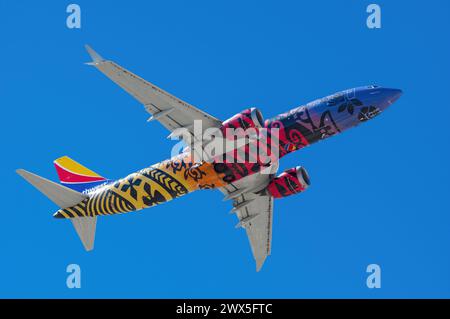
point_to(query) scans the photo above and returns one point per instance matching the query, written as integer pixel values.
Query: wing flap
(259, 228)
(254, 211)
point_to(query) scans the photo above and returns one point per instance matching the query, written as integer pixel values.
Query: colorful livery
(247, 178)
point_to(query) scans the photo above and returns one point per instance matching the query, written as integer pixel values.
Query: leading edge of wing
(188, 111)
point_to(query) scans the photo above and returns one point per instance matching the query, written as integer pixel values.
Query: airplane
(252, 185)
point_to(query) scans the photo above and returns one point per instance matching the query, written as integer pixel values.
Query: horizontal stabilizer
(65, 197)
(85, 227)
(62, 196)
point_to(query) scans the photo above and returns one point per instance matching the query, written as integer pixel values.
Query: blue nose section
(381, 98)
(392, 95)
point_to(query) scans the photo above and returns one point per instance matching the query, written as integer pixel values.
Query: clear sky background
(379, 194)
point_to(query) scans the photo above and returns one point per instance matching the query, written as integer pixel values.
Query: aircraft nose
(392, 95)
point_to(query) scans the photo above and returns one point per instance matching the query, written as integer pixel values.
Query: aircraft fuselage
(179, 175)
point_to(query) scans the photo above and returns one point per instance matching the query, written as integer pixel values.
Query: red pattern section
(289, 140)
(66, 176)
(241, 120)
(249, 160)
(286, 184)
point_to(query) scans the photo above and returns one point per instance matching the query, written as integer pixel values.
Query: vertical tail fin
(76, 176)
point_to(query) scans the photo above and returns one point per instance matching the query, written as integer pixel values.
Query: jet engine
(250, 118)
(290, 182)
(230, 142)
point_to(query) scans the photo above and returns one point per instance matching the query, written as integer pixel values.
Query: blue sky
(379, 192)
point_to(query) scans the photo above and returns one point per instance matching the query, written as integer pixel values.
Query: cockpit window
(373, 86)
(335, 99)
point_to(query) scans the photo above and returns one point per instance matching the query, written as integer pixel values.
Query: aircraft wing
(255, 213)
(170, 111)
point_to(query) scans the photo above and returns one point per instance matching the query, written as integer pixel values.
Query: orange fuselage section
(148, 187)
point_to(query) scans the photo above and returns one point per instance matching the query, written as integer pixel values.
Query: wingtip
(96, 58)
(259, 264)
(87, 248)
(20, 171)
(24, 173)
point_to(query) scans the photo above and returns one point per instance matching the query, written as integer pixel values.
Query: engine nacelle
(290, 182)
(247, 119)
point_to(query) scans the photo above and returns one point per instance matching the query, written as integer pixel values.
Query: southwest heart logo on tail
(75, 176)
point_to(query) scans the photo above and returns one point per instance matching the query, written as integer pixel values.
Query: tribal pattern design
(179, 175)
(146, 188)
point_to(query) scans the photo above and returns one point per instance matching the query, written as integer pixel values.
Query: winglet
(96, 58)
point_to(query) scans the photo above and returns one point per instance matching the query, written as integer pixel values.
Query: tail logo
(75, 175)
